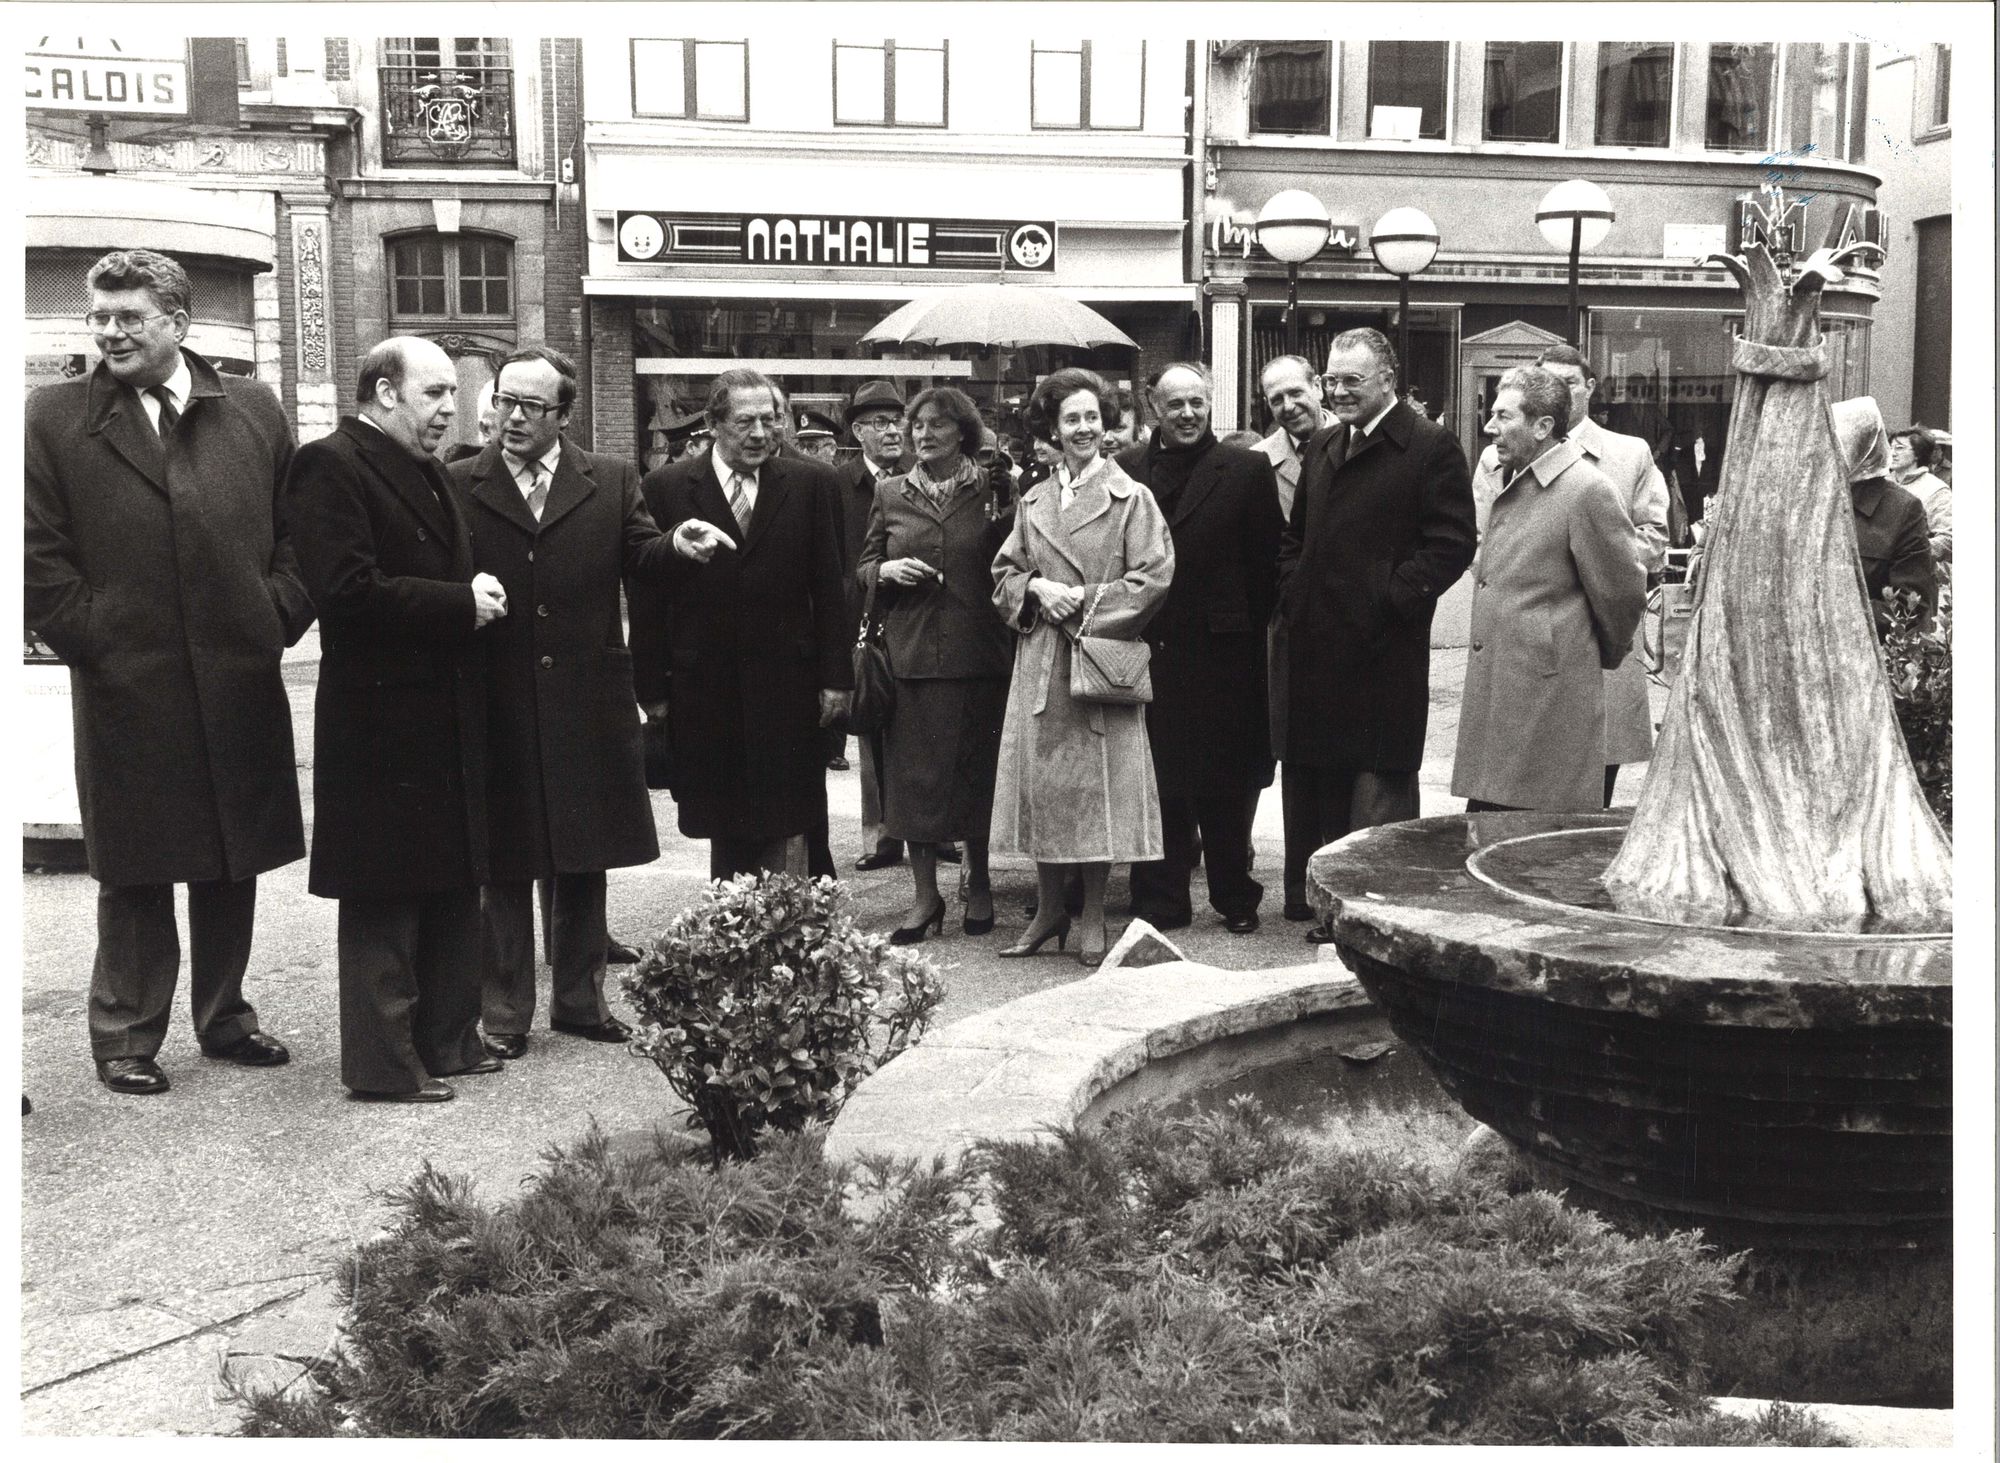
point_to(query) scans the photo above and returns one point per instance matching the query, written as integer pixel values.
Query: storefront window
(1432, 367)
(1407, 74)
(1635, 93)
(1816, 98)
(1523, 91)
(1742, 84)
(1291, 87)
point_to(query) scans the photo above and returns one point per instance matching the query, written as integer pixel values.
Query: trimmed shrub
(765, 1005)
(1916, 655)
(1211, 1279)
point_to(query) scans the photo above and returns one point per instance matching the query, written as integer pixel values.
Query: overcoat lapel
(115, 414)
(1092, 502)
(920, 500)
(1198, 486)
(406, 478)
(1045, 512)
(574, 482)
(494, 489)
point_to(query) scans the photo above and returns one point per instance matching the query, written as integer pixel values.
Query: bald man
(399, 777)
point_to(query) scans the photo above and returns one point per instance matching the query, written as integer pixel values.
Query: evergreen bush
(1208, 1279)
(1916, 654)
(765, 1005)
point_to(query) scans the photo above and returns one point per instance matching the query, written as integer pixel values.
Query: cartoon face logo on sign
(1030, 246)
(641, 236)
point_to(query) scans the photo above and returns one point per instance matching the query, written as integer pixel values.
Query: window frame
(389, 61)
(1565, 94)
(1782, 145)
(1933, 62)
(1675, 100)
(1332, 129)
(1775, 107)
(691, 92)
(453, 315)
(1037, 49)
(1450, 88)
(889, 118)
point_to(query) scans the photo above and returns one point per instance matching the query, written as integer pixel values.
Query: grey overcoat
(1076, 781)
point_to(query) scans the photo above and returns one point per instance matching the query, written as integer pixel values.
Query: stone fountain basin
(1773, 1086)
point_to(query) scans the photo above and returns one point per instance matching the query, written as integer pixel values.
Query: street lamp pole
(1575, 215)
(1293, 227)
(1404, 241)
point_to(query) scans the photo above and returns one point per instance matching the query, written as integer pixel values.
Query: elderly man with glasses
(159, 568)
(566, 787)
(1382, 524)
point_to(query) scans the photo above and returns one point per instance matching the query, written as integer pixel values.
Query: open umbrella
(997, 315)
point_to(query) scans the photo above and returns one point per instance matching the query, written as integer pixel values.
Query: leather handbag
(1106, 672)
(874, 700)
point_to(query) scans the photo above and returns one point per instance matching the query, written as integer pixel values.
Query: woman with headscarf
(1890, 527)
(1089, 553)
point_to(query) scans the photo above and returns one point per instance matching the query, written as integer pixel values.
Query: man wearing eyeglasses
(159, 568)
(1381, 526)
(756, 631)
(566, 787)
(875, 418)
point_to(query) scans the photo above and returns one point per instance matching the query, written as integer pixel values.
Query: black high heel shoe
(979, 926)
(914, 934)
(1060, 933)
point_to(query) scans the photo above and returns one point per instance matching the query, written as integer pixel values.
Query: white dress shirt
(523, 468)
(178, 386)
(724, 472)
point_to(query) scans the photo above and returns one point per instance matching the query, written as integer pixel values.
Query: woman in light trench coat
(1075, 784)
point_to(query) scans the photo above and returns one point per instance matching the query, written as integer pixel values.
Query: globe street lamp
(1293, 227)
(1404, 241)
(1575, 216)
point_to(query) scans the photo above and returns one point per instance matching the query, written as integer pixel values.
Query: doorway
(1483, 359)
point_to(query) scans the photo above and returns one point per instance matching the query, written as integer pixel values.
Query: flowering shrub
(765, 1005)
(1917, 657)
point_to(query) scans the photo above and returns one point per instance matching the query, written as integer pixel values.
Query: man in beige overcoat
(1628, 462)
(1558, 589)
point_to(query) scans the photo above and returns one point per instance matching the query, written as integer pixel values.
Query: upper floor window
(1933, 90)
(703, 81)
(1816, 98)
(1635, 93)
(1407, 75)
(1742, 87)
(447, 101)
(890, 83)
(1291, 87)
(1524, 91)
(1099, 84)
(439, 277)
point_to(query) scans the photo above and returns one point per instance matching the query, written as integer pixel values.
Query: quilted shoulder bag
(1106, 672)
(874, 699)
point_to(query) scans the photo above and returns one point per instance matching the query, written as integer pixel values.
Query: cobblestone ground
(166, 1241)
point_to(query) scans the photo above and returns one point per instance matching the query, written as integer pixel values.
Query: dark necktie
(538, 495)
(169, 418)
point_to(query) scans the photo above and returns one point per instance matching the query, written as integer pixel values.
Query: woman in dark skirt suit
(932, 535)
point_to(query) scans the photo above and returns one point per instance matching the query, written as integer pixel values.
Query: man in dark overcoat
(757, 630)
(157, 565)
(399, 728)
(1381, 526)
(1209, 723)
(875, 421)
(565, 779)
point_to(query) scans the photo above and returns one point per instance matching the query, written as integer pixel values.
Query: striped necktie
(538, 494)
(739, 500)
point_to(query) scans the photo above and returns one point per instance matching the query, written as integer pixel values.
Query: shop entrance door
(1482, 360)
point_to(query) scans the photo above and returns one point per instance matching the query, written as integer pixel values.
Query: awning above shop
(126, 213)
(758, 289)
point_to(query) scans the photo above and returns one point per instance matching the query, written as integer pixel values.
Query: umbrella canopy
(1000, 315)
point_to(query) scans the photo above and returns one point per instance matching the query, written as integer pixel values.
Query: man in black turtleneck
(1209, 723)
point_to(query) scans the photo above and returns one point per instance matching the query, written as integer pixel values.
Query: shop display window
(1291, 87)
(1524, 84)
(1635, 93)
(1432, 366)
(1742, 88)
(1408, 75)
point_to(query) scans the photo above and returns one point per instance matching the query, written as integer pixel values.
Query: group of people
(482, 728)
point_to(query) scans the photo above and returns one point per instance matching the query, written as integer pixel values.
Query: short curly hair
(1046, 404)
(954, 404)
(143, 269)
(1923, 446)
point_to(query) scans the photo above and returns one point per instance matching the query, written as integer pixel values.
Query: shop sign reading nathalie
(655, 237)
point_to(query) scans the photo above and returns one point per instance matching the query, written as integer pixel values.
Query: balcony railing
(451, 117)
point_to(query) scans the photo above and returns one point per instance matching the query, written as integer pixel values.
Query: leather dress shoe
(617, 952)
(506, 1045)
(254, 1050)
(886, 855)
(1165, 922)
(838, 764)
(1298, 911)
(1242, 924)
(431, 1091)
(609, 1029)
(484, 1067)
(1320, 935)
(138, 1076)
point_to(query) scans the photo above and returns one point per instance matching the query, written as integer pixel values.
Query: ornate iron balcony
(451, 117)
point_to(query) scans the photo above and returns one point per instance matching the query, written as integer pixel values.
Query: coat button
(531, 556)
(548, 662)
(1482, 584)
(1476, 645)
(421, 535)
(542, 611)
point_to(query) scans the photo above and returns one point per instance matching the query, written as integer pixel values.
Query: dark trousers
(139, 963)
(573, 923)
(409, 989)
(1214, 831)
(1325, 803)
